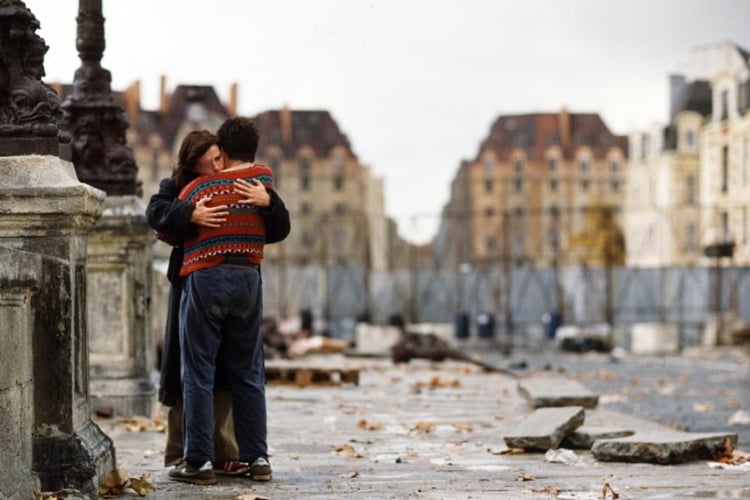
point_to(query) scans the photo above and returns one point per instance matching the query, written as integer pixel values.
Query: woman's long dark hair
(193, 146)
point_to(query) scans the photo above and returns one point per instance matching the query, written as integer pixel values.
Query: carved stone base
(78, 461)
(125, 397)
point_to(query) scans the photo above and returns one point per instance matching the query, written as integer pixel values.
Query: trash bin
(551, 322)
(461, 325)
(486, 325)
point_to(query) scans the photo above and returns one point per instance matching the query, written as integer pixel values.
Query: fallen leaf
(346, 450)
(349, 475)
(114, 483)
(250, 496)
(141, 485)
(463, 428)
(703, 407)
(423, 427)
(606, 490)
(525, 477)
(550, 490)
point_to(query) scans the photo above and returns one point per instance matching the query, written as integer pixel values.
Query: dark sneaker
(231, 467)
(189, 474)
(260, 469)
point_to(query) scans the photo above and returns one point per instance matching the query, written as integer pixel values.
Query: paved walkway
(423, 430)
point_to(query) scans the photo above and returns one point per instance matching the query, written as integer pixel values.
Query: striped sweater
(244, 231)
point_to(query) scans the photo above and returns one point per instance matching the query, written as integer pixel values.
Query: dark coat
(167, 214)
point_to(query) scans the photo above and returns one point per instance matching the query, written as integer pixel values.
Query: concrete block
(375, 339)
(546, 428)
(654, 338)
(664, 447)
(543, 392)
(585, 436)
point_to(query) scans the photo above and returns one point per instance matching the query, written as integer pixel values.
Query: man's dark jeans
(223, 306)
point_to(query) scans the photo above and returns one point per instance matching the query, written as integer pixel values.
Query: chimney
(564, 126)
(132, 102)
(57, 87)
(285, 119)
(676, 88)
(163, 105)
(232, 107)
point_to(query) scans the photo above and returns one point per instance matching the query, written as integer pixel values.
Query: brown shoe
(260, 470)
(189, 474)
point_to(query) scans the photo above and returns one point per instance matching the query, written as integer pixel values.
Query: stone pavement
(422, 430)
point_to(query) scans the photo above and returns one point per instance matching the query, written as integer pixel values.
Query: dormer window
(724, 105)
(690, 139)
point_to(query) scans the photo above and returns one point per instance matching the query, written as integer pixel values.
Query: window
(585, 185)
(304, 164)
(553, 185)
(584, 165)
(518, 165)
(725, 226)
(488, 186)
(644, 146)
(490, 243)
(552, 164)
(338, 163)
(307, 239)
(614, 166)
(518, 183)
(691, 238)
(724, 105)
(306, 209)
(489, 166)
(339, 209)
(304, 183)
(690, 190)
(724, 169)
(489, 212)
(615, 185)
(338, 183)
(689, 139)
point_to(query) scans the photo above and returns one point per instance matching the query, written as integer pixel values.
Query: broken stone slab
(583, 438)
(545, 428)
(664, 447)
(542, 392)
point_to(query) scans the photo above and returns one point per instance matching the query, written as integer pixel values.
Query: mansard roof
(536, 132)
(695, 96)
(292, 129)
(177, 112)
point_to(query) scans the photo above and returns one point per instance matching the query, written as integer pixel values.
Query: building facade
(688, 182)
(526, 194)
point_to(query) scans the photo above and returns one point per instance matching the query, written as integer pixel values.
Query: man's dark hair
(238, 138)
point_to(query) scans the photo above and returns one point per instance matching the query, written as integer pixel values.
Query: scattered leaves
(463, 428)
(136, 424)
(549, 490)
(119, 481)
(370, 426)
(437, 383)
(422, 427)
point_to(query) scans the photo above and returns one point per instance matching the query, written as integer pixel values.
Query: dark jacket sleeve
(166, 213)
(276, 217)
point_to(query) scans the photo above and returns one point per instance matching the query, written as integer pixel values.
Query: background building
(688, 182)
(527, 192)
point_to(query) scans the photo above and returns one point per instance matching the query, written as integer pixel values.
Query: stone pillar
(19, 274)
(45, 215)
(119, 248)
(48, 212)
(119, 287)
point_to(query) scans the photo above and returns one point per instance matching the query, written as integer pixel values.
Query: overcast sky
(415, 84)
